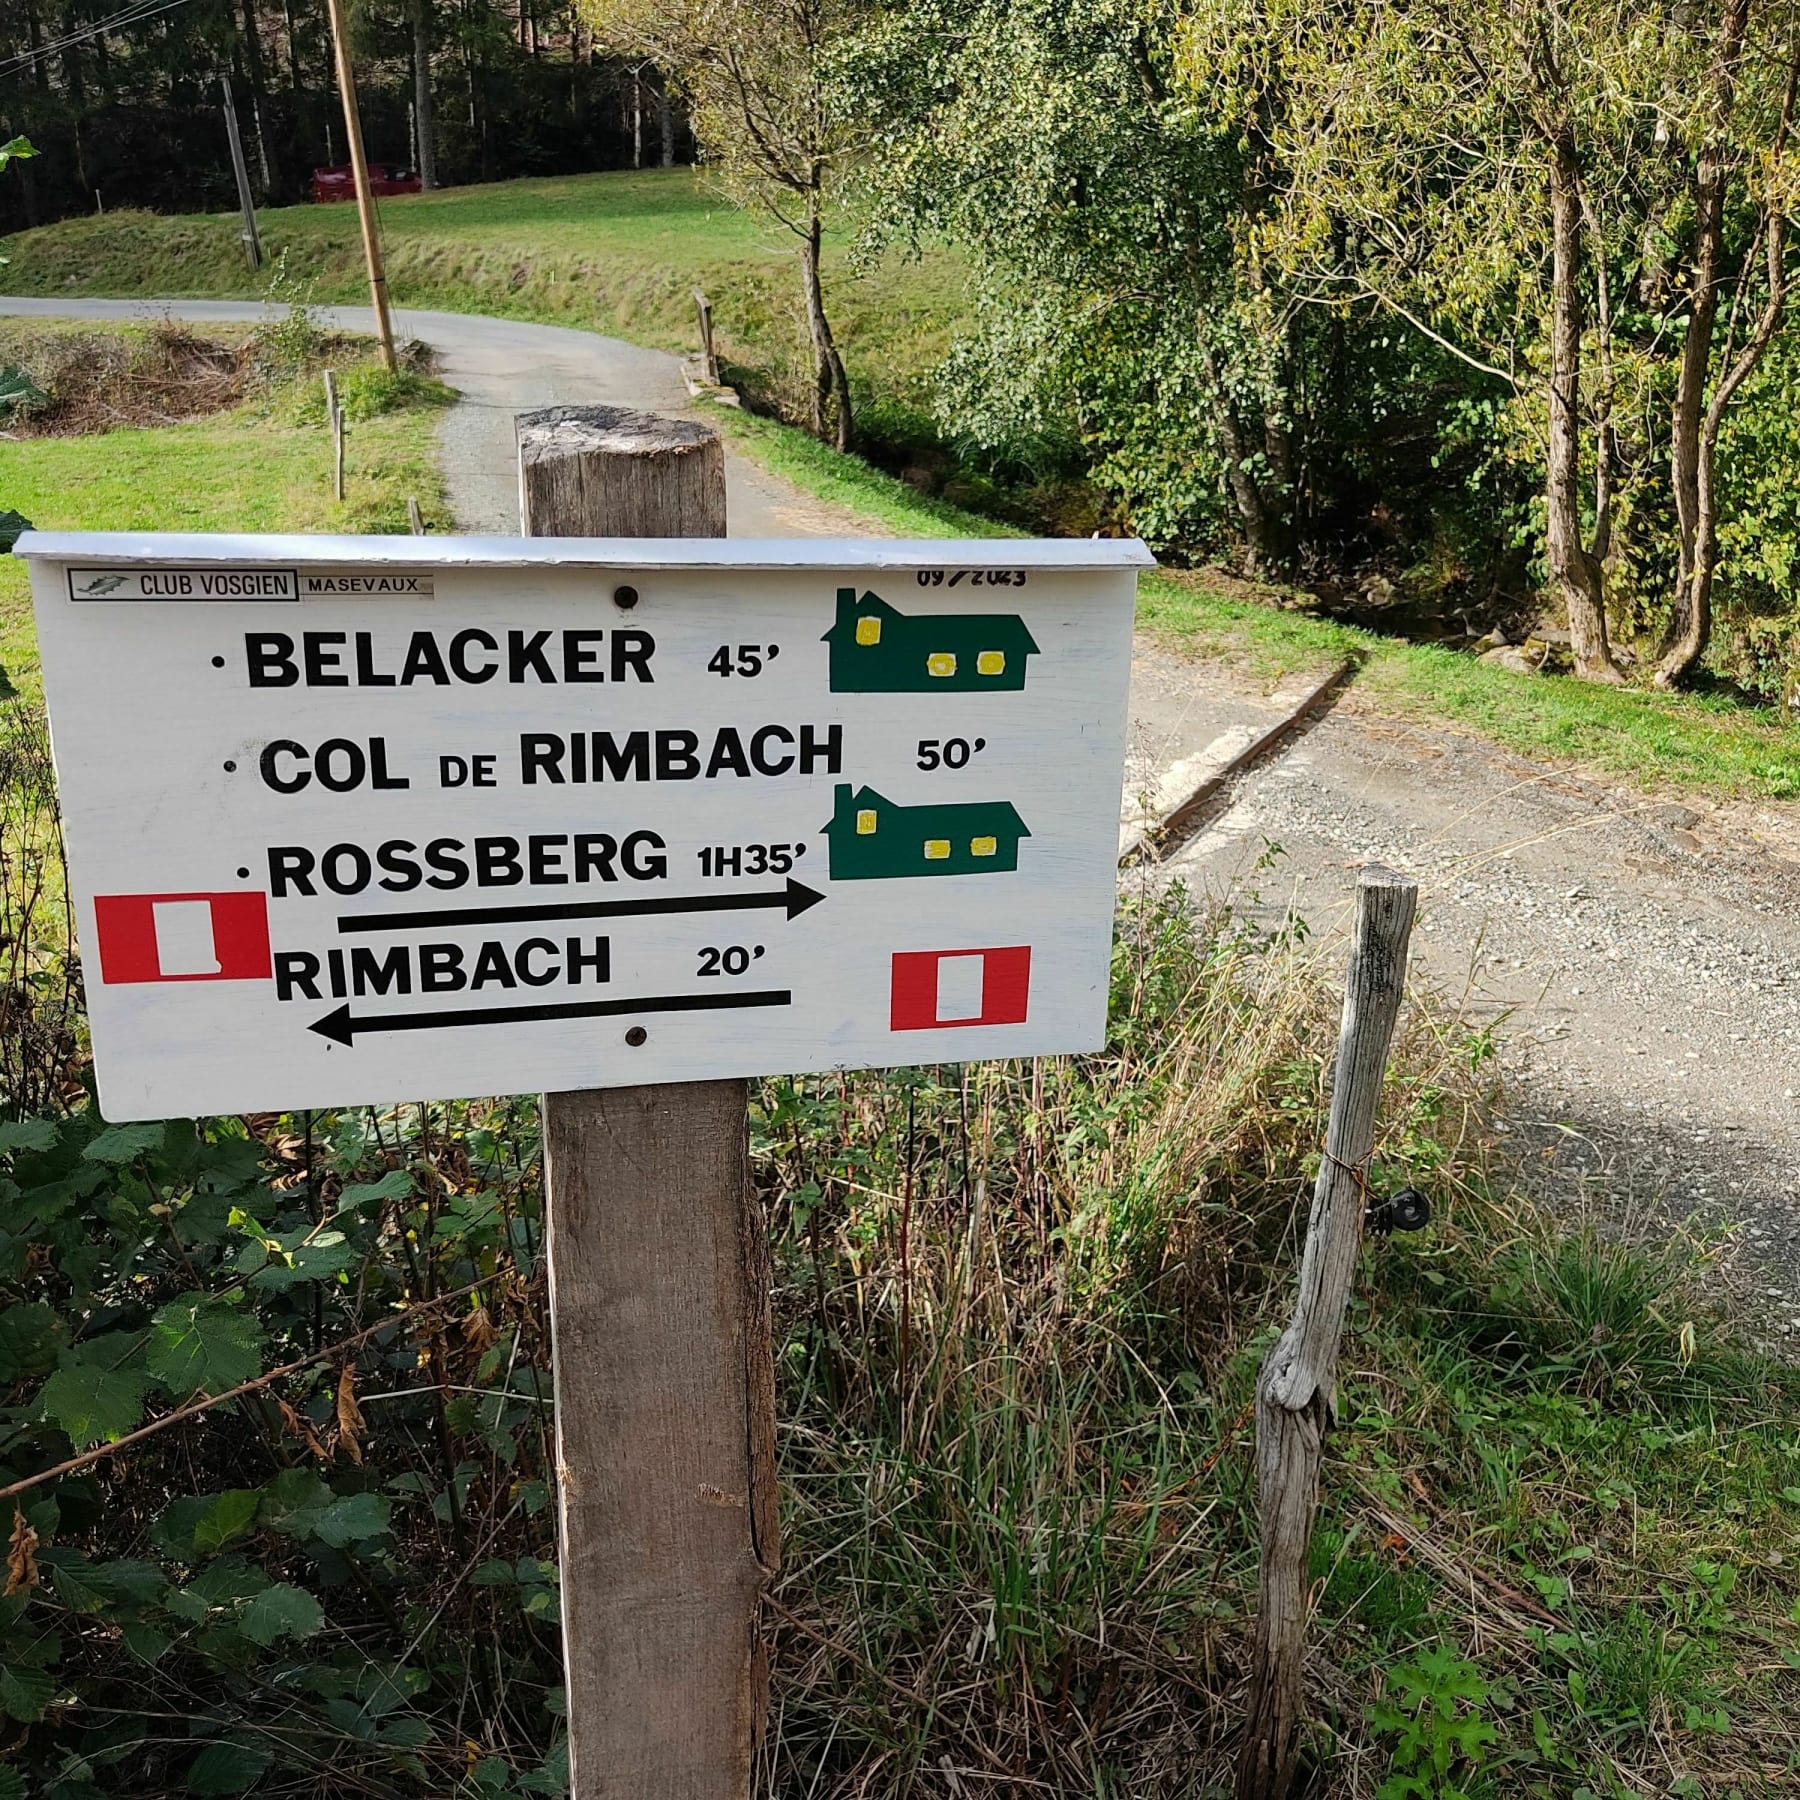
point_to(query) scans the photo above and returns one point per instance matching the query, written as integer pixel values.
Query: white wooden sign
(355, 819)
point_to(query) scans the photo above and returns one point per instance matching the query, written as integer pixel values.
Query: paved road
(502, 367)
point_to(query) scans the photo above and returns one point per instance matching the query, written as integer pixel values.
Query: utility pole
(252, 243)
(359, 168)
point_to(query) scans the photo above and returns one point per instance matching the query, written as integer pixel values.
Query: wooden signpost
(359, 169)
(659, 1296)
(623, 819)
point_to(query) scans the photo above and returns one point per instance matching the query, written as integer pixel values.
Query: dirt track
(1641, 956)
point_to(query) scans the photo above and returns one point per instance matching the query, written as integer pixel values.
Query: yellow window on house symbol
(865, 822)
(937, 849)
(991, 662)
(941, 662)
(984, 846)
(868, 630)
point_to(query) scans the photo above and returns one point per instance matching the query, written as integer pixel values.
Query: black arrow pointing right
(796, 898)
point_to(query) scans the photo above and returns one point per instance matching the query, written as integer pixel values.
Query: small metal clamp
(1407, 1210)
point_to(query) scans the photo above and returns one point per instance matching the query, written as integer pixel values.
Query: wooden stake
(1296, 1392)
(334, 417)
(659, 1294)
(709, 361)
(359, 168)
(252, 243)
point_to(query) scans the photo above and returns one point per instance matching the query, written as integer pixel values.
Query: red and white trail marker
(183, 937)
(937, 988)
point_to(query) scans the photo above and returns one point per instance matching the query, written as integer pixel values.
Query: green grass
(262, 467)
(618, 253)
(849, 481)
(1024, 1309)
(621, 253)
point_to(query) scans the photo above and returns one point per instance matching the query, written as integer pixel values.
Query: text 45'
(742, 659)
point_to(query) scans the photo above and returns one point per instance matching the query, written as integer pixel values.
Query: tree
(755, 75)
(1734, 143)
(1097, 208)
(1469, 170)
(424, 113)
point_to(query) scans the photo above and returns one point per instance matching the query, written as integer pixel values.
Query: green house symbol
(872, 839)
(877, 650)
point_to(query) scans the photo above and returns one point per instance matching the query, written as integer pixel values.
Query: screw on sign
(565, 858)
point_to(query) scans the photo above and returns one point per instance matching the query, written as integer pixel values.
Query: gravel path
(1641, 956)
(501, 367)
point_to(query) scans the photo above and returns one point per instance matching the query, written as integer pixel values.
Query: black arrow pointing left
(795, 898)
(343, 1025)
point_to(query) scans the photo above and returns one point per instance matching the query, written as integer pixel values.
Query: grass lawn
(618, 253)
(621, 253)
(256, 468)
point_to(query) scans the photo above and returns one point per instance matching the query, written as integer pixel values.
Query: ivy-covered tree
(1099, 208)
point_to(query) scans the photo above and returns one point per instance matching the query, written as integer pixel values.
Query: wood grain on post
(1296, 1391)
(659, 1294)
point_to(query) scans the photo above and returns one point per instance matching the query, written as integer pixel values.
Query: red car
(384, 178)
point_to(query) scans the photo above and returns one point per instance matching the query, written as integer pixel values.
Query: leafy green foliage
(30, 1340)
(18, 392)
(89, 1401)
(1014, 1450)
(227, 1767)
(281, 1611)
(1437, 1714)
(258, 1550)
(208, 1345)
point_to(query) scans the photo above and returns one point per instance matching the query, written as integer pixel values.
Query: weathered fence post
(709, 360)
(334, 418)
(1295, 1393)
(659, 1295)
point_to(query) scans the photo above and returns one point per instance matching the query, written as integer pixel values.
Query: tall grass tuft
(42, 1020)
(1020, 1315)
